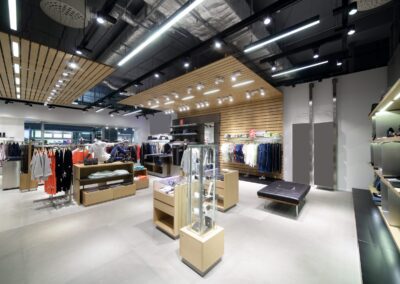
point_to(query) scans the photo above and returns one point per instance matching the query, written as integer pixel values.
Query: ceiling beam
(276, 6)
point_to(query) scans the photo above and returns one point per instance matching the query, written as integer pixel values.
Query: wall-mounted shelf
(184, 125)
(389, 96)
(184, 134)
(387, 182)
(386, 139)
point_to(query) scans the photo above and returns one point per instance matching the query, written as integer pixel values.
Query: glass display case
(201, 184)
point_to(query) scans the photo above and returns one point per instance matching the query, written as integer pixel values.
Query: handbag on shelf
(90, 161)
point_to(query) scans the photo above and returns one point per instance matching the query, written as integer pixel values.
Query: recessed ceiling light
(210, 92)
(18, 89)
(187, 98)
(244, 83)
(65, 74)
(230, 99)
(73, 65)
(219, 101)
(353, 9)
(248, 95)
(267, 21)
(157, 75)
(217, 44)
(17, 81)
(60, 81)
(57, 86)
(15, 48)
(16, 68)
(262, 92)
(78, 52)
(273, 68)
(100, 20)
(351, 31)
(186, 64)
(339, 63)
(316, 53)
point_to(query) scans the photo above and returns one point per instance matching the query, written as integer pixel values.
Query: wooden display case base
(201, 253)
(26, 183)
(104, 195)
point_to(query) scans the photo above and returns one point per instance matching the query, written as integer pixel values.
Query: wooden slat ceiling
(207, 76)
(41, 68)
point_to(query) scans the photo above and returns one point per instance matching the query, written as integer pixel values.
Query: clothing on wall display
(63, 169)
(50, 185)
(266, 156)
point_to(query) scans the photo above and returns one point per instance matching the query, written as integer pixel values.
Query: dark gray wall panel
(301, 153)
(324, 154)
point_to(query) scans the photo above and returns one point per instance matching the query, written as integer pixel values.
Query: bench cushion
(284, 191)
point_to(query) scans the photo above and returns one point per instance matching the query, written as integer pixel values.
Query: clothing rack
(52, 200)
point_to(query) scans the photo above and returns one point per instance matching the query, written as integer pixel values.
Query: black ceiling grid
(377, 35)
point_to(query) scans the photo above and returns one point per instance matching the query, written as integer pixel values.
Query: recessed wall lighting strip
(186, 9)
(283, 34)
(300, 68)
(210, 92)
(244, 83)
(169, 103)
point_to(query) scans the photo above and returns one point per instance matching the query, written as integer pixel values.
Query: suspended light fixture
(316, 53)
(285, 33)
(186, 9)
(353, 9)
(300, 68)
(273, 68)
(351, 30)
(217, 44)
(267, 20)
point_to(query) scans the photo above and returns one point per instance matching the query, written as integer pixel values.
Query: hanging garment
(238, 153)
(63, 170)
(79, 155)
(50, 184)
(185, 163)
(40, 167)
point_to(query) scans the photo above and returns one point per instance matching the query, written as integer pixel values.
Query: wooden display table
(143, 183)
(170, 210)
(106, 191)
(227, 190)
(201, 253)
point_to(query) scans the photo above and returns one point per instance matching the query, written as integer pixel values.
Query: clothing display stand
(56, 201)
(201, 244)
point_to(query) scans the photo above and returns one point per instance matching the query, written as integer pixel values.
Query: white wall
(355, 94)
(73, 117)
(160, 123)
(13, 127)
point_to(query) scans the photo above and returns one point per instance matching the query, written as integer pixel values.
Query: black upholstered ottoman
(285, 192)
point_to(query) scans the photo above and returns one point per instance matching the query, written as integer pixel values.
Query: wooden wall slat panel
(261, 115)
(24, 46)
(6, 47)
(3, 75)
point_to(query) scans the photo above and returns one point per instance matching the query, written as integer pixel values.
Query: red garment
(138, 152)
(78, 156)
(50, 184)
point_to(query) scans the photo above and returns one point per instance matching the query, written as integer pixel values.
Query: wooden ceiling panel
(207, 76)
(41, 68)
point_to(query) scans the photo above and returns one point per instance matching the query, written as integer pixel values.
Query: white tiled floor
(116, 242)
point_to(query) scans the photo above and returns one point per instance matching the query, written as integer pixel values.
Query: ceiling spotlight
(197, 105)
(17, 81)
(167, 98)
(316, 53)
(230, 99)
(217, 44)
(235, 75)
(219, 101)
(149, 103)
(189, 90)
(157, 75)
(244, 83)
(112, 115)
(157, 101)
(248, 95)
(100, 20)
(60, 81)
(351, 31)
(219, 80)
(73, 65)
(267, 21)
(176, 95)
(273, 68)
(57, 86)
(186, 64)
(78, 51)
(65, 74)
(339, 63)
(200, 86)
(353, 8)
(16, 68)
(18, 89)
(201, 105)
(207, 104)
(262, 92)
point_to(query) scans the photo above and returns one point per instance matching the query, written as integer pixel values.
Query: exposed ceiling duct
(70, 13)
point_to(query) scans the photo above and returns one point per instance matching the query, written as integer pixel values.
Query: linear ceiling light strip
(161, 31)
(12, 13)
(300, 68)
(283, 34)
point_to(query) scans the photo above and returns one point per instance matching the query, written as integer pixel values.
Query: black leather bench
(285, 192)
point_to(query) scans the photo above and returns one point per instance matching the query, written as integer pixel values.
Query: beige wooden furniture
(227, 190)
(107, 188)
(201, 253)
(143, 183)
(170, 210)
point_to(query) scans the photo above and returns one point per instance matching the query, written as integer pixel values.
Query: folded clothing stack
(140, 178)
(105, 174)
(138, 168)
